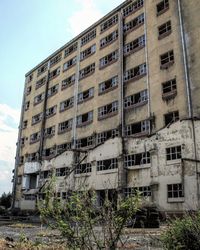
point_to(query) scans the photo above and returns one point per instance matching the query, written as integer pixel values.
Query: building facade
(117, 109)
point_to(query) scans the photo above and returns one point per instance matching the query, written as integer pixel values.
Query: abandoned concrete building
(117, 108)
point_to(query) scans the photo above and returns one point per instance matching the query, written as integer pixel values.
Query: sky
(30, 31)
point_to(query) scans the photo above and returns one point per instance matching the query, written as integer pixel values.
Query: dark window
(68, 82)
(110, 22)
(83, 168)
(133, 24)
(54, 73)
(37, 118)
(137, 159)
(135, 73)
(71, 49)
(51, 111)
(62, 171)
(88, 37)
(108, 59)
(169, 86)
(173, 153)
(85, 119)
(133, 7)
(69, 63)
(40, 82)
(171, 117)
(87, 71)
(63, 147)
(28, 90)
(108, 85)
(65, 126)
(49, 152)
(53, 90)
(66, 104)
(134, 45)
(35, 137)
(55, 60)
(85, 142)
(162, 7)
(108, 110)
(42, 69)
(164, 29)
(107, 164)
(138, 128)
(166, 60)
(175, 190)
(84, 96)
(87, 52)
(50, 131)
(39, 98)
(136, 99)
(110, 134)
(109, 39)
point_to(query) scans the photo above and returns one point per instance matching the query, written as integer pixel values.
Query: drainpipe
(44, 115)
(147, 65)
(18, 149)
(188, 91)
(76, 96)
(185, 62)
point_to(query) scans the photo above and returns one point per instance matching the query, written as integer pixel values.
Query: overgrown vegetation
(183, 234)
(85, 225)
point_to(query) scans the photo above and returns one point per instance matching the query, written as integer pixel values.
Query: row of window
(163, 30)
(130, 160)
(174, 191)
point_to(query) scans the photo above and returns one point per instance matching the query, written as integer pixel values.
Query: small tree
(183, 234)
(5, 200)
(83, 224)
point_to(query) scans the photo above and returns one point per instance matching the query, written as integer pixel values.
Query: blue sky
(30, 31)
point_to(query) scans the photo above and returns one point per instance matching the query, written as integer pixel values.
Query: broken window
(132, 191)
(136, 99)
(37, 118)
(169, 89)
(103, 136)
(87, 52)
(39, 98)
(69, 63)
(72, 48)
(62, 171)
(137, 159)
(108, 59)
(133, 7)
(19, 179)
(84, 96)
(42, 69)
(85, 142)
(29, 197)
(67, 104)
(50, 131)
(83, 168)
(134, 45)
(65, 126)
(68, 82)
(88, 37)
(107, 164)
(55, 59)
(45, 174)
(49, 152)
(53, 90)
(109, 39)
(54, 73)
(85, 119)
(108, 110)
(133, 24)
(110, 22)
(164, 30)
(21, 160)
(171, 117)
(63, 147)
(35, 137)
(135, 73)
(175, 190)
(40, 82)
(162, 7)
(173, 153)
(27, 105)
(87, 71)
(28, 90)
(138, 128)
(25, 124)
(29, 78)
(22, 141)
(32, 157)
(51, 111)
(108, 85)
(166, 60)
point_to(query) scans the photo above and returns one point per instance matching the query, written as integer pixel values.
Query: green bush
(183, 234)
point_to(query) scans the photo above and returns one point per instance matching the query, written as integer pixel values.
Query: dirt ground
(34, 237)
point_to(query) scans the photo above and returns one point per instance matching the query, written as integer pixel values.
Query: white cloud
(83, 18)
(9, 120)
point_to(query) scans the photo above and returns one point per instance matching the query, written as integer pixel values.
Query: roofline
(79, 36)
